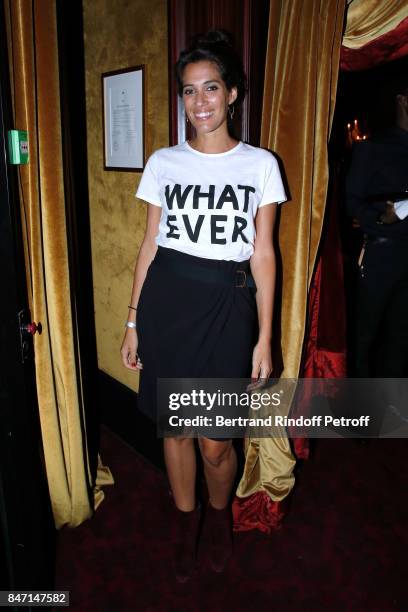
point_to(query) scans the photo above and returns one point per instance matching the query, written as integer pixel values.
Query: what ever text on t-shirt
(209, 201)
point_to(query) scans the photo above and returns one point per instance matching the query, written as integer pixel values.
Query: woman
(212, 206)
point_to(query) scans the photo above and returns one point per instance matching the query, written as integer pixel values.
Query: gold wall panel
(119, 34)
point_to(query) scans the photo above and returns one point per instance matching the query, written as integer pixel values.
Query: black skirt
(194, 320)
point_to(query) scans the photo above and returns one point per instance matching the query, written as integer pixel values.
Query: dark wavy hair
(215, 46)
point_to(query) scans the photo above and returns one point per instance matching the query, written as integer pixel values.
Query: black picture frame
(124, 119)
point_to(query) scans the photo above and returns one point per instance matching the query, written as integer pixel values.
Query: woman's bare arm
(145, 257)
(263, 268)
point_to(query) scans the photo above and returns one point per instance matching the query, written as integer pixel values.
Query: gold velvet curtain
(369, 19)
(299, 97)
(33, 53)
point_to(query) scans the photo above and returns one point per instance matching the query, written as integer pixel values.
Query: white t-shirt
(209, 200)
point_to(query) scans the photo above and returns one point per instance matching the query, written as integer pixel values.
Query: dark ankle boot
(219, 534)
(185, 538)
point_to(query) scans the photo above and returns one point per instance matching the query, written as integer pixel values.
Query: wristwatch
(130, 324)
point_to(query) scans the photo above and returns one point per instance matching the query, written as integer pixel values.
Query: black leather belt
(224, 276)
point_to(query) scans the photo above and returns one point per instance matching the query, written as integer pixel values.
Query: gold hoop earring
(231, 111)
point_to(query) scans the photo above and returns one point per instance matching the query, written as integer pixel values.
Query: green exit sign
(18, 146)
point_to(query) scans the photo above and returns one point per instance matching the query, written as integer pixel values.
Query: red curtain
(388, 47)
(325, 348)
(325, 355)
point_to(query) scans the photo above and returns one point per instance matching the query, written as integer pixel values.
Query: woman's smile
(203, 115)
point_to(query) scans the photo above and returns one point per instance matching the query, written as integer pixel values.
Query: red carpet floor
(343, 545)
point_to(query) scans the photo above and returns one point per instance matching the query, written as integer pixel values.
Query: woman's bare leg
(180, 459)
(220, 466)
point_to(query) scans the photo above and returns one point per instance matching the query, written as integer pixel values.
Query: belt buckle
(244, 278)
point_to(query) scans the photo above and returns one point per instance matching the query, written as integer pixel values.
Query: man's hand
(388, 216)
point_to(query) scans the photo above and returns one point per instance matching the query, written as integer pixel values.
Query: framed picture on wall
(123, 95)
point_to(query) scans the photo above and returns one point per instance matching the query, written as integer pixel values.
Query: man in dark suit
(376, 183)
(376, 191)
